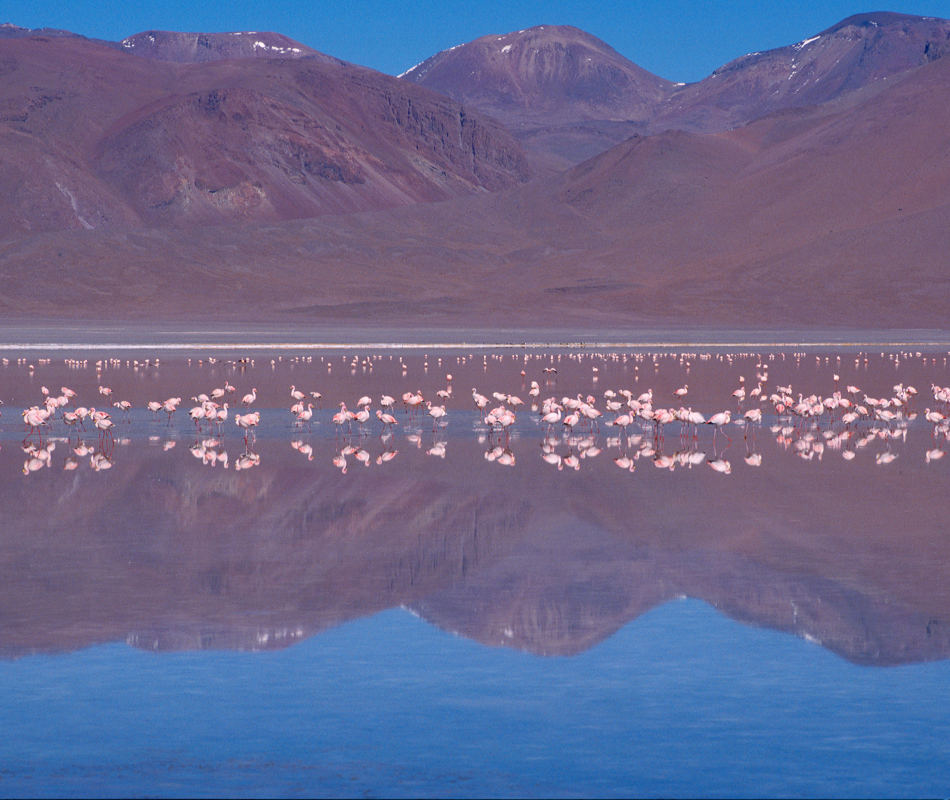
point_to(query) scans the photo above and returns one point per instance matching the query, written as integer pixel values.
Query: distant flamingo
(387, 419)
(437, 413)
(718, 420)
(247, 422)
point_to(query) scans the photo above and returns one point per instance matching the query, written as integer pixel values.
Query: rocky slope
(187, 48)
(92, 137)
(569, 96)
(821, 216)
(551, 84)
(858, 54)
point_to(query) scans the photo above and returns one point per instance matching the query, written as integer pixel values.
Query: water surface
(447, 609)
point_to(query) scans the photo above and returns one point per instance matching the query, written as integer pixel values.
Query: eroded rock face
(97, 138)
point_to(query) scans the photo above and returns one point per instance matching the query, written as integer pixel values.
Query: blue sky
(683, 40)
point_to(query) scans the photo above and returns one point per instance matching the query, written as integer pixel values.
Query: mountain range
(568, 95)
(536, 178)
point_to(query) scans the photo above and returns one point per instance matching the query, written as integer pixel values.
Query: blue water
(682, 701)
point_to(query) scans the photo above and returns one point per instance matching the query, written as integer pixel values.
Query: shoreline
(465, 345)
(45, 335)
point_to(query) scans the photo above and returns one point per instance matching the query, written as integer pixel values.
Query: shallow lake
(447, 607)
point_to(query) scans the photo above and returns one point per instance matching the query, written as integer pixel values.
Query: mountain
(550, 73)
(551, 84)
(175, 178)
(10, 31)
(187, 48)
(798, 219)
(93, 137)
(859, 53)
(568, 96)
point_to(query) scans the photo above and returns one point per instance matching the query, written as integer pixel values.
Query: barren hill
(186, 48)
(859, 53)
(568, 96)
(565, 93)
(93, 137)
(822, 216)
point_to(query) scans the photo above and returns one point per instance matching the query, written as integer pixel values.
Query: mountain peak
(547, 73)
(877, 19)
(199, 47)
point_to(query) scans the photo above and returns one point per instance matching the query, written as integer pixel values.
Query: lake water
(448, 610)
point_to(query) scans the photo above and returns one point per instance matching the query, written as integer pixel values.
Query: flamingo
(305, 415)
(552, 418)
(170, 406)
(197, 414)
(622, 421)
(70, 418)
(220, 417)
(413, 401)
(571, 420)
(590, 413)
(386, 418)
(249, 398)
(718, 420)
(661, 417)
(103, 424)
(36, 418)
(753, 415)
(362, 415)
(247, 422)
(343, 417)
(437, 413)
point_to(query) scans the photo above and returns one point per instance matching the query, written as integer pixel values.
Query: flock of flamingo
(846, 419)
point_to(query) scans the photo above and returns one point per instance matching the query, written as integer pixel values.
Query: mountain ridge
(756, 227)
(92, 136)
(847, 57)
(753, 226)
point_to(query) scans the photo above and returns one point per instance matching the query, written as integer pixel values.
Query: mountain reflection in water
(205, 541)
